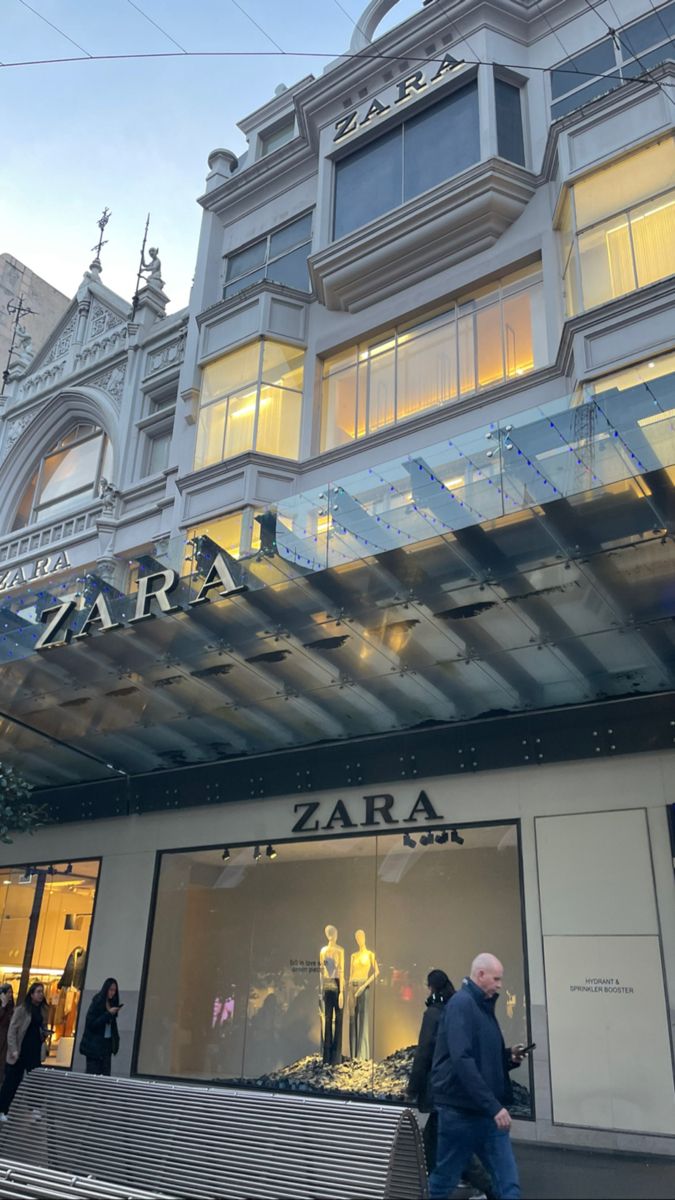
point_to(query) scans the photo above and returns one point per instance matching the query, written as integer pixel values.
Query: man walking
(471, 1087)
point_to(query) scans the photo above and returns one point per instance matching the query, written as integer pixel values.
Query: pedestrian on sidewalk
(6, 1014)
(471, 1087)
(101, 1038)
(26, 1043)
(419, 1091)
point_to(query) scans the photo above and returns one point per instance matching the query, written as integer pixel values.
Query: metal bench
(211, 1143)
(33, 1183)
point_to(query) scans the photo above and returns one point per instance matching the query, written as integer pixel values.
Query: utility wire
(350, 18)
(614, 34)
(55, 27)
(159, 27)
(254, 22)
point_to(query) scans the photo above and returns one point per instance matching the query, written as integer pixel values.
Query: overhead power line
(54, 27)
(254, 22)
(156, 25)
(614, 34)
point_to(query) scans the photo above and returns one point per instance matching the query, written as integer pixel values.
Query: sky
(134, 135)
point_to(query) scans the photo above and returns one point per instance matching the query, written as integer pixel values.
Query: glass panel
(381, 376)
(69, 470)
(291, 269)
(653, 230)
(606, 262)
(426, 370)
(240, 423)
(283, 364)
(467, 365)
(633, 70)
(272, 139)
(57, 508)
(648, 32)
(510, 142)
(356, 200)
(246, 260)
(339, 409)
(230, 372)
(246, 281)
(224, 531)
(599, 87)
(624, 183)
(291, 235)
(330, 999)
(26, 504)
(79, 431)
(210, 435)
(490, 350)
(279, 422)
(518, 341)
(579, 67)
(442, 141)
(158, 452)
(60, 952)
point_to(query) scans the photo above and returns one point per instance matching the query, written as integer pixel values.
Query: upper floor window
(278, 135)
(510, 140)
(281, 256)
(604, 66)
(419, 153)
(477, 342)
(617, 227)
(251, 399)
(69, 473)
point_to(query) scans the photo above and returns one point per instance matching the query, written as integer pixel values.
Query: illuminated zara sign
(400, 93)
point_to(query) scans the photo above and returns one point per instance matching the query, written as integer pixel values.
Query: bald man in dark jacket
(471, 1086)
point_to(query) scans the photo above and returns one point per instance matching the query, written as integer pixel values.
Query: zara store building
(337, 610)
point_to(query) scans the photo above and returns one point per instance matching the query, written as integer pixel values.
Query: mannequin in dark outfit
(332, 975)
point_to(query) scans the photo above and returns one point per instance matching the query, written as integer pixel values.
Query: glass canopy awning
(521, 566)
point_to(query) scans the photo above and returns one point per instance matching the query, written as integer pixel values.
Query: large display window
(46, 912)
(301, 966)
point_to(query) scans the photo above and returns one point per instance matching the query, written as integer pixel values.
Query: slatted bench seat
(33, 1183)
(210, 1143)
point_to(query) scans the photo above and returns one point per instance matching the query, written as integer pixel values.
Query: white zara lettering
(399, 93)
(39, 568)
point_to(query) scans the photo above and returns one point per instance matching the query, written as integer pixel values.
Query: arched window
(68, 474)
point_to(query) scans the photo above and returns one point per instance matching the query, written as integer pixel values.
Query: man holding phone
(471, 1087)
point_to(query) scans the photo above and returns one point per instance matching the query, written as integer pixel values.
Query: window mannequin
(363, 971)
(332, 976)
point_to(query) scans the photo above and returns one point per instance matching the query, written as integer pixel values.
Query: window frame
(268, 259)
(40, 512)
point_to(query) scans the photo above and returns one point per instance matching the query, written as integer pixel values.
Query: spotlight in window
(69, 869)
(442, 838)
(226, 854)
(426, 839)
(456, 838)
(271, 852)
(257, 853)
(409, 841)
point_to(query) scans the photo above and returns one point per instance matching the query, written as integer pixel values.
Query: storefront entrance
(45, 922)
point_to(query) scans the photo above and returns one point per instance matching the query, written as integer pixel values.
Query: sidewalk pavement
(562, 1173)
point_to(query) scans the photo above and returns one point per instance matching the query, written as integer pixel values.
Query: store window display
(238, 996)
(45, 921)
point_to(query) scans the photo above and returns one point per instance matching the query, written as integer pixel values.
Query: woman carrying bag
(26, 1043)
(101, 1039)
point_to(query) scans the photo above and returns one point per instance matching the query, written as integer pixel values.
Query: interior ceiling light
(409, 841)
(426, 839)
(456, 838)
(257, 853)
(442, 838)
(271, 852)
(226, 855)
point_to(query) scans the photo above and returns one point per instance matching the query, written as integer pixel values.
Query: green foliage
(17, 813)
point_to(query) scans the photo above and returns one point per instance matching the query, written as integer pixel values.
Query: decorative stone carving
(62, 344)
(108, 494)
(166, 356)
(101, 318)
(14, 430)
(111, 381)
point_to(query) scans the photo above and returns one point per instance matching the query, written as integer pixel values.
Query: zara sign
(400, 93)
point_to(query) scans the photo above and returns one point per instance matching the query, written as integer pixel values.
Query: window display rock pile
(386, 1080)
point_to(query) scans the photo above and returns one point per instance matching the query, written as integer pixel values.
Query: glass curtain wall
(474, 343)
(46, 915)
(303, 966)
(251, 399)
(617, 228)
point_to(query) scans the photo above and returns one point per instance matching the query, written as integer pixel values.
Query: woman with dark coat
(419, 1090)
(26, 1043)
(101, 1039)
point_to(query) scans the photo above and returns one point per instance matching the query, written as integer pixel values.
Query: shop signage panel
(38, 568)
(610, 1051)
(380, 809)
(414, 84)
